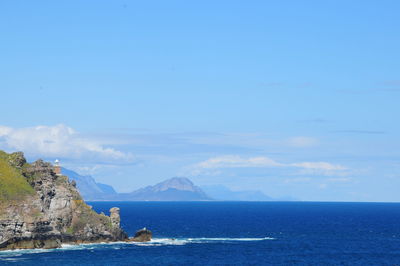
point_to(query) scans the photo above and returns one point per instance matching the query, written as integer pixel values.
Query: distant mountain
(220, 192)
(106, 188)
(88, 187)
(174, 189)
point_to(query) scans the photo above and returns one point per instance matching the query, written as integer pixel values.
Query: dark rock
(30, 243)
(143, 235)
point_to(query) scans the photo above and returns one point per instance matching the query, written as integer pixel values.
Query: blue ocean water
(240, 233)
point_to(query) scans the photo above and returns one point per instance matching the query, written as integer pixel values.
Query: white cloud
(4, 131)
(319, 166)
(91, 169)
(58, 141)
(235, 161)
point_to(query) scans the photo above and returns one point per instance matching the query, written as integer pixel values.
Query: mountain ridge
(88, 187)
(172, 189)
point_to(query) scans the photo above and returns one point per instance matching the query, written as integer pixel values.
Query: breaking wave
(199, 240)
(12, 255)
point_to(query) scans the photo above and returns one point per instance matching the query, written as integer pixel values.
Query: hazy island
(40, 208)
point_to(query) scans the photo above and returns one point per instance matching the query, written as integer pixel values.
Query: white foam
(19, 252)
(12, 259)
(11, 254)
(88, 245)
(222, 239)
(4, 254)
(199, 240)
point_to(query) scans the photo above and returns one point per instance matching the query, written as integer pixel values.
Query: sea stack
(114, 217)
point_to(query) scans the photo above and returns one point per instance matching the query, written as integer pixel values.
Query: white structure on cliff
(57, 167)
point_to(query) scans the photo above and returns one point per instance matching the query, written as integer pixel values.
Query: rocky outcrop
(52, 214)
(115, 218)
(143, 235)
(17, 159)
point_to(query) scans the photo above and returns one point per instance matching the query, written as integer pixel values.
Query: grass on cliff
(87, 216)
(13, 186)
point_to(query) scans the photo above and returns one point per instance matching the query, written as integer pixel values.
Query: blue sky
(294, 98)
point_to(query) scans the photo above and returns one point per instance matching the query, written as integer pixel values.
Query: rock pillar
(115, 218)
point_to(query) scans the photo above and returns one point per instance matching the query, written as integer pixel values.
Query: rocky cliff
(39, 209)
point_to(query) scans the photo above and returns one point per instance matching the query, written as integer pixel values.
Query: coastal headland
(41, 208)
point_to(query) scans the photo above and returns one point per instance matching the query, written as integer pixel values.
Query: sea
(239, 233)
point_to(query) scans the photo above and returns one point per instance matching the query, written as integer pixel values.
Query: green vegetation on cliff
(13, 186)
(40, 209)
(87, 216)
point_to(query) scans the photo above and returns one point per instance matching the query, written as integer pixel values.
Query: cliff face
(39, 209)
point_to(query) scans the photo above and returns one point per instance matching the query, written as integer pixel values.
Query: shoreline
(77, 243)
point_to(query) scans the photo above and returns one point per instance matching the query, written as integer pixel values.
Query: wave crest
(10, 255)
(199, 240)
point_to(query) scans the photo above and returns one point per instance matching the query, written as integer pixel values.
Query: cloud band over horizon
(59, 141)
